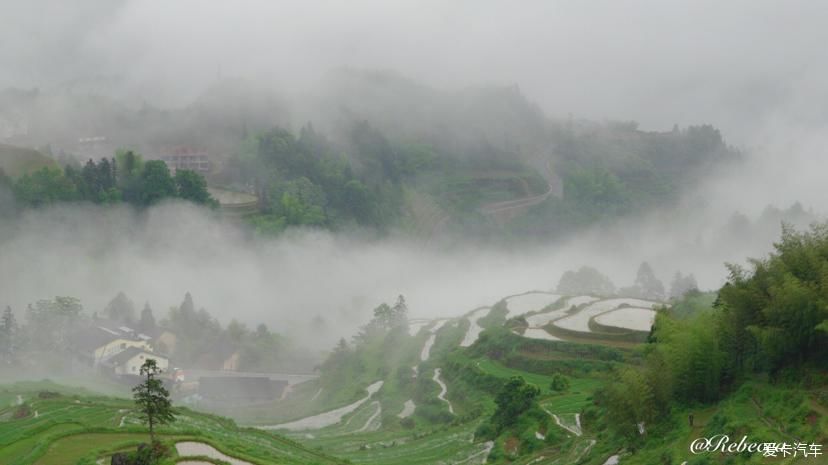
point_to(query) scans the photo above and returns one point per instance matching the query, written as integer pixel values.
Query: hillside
(42, 423)
(17, 161)
(426, 400)
(379, 152)
(545, 378)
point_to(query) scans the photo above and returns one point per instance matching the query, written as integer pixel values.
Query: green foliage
(692, 303)
(502, 344)
(197, 332)
(152, 399)
(771, 318)
(768, 321)
(124, 178)
(80, 425)
(692, 357)
(585, 281)
(43, 187)
(156, 183)
(514, 398)
(596, 191)
(386, 319)
(260, 350)
(630, 400)
(302, 182)
(614, 169)
(681, 285)
(192, 186)
(391, 317)
(560, 383)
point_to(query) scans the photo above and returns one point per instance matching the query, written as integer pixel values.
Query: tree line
(771, 319)
(124, 178)
(589, 281)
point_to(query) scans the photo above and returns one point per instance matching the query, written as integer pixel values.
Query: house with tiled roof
(97, 343)
(129, 361)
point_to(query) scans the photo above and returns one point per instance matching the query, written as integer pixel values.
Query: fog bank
(287, 282)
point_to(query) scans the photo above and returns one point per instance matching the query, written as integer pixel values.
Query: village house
(186, 158)
(130, 360)
(97, 344)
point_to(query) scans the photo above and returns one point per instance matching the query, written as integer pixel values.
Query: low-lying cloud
(287, 282)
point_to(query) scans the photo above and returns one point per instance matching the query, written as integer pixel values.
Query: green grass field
(80, 427)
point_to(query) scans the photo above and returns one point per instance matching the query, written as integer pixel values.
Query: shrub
(559, 383)
(22, 411)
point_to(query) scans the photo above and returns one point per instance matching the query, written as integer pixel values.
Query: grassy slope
(17, 161)
(761, 411)
(79, 424)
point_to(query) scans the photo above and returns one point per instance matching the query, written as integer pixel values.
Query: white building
(130, 360)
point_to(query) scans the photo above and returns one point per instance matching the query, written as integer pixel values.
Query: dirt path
(574, 429)
(500, 207)
(443, 390)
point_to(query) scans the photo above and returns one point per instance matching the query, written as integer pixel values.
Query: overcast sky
(740, 65)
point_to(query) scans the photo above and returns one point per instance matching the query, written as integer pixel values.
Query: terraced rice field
(438, 446)
(373, 422)
(577, 301)
(638, 319)
(531, 302)
(69, 429)
(539, 333)
(414, 326)
(474, 329)
(542, 319)
(329, 418)
(193, 449)
(580, 320)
